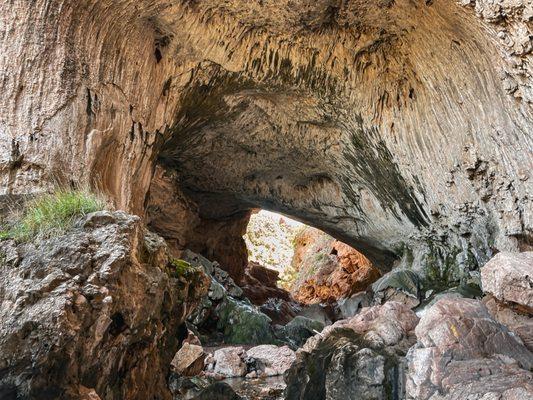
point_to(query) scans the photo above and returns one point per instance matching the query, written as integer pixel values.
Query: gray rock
(273, 360)
(218, 391)
(297, 331)
(358, 358)
(399, 285)
(349, 307)
(242, 323)
(340, 365)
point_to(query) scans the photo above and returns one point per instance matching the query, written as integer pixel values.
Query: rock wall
(401, 127)
(95, 313)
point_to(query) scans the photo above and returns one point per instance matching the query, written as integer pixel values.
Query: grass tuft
(52, 214)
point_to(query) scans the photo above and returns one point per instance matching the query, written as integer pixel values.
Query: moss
(443, 268)
(242, 324)
(51, 214)
(181, 268)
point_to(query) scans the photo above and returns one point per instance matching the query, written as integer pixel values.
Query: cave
(402, 128)
(399, 127)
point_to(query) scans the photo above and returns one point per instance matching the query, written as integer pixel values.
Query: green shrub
(52, 214)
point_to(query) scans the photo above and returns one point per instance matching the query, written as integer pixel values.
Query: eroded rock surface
(462, 352)
(326, 269)
(400, 127)
(95, 312)
(509, 278)
(360, 358)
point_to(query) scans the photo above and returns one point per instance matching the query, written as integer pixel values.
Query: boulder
(515, 318)
(462, 291)
(242, 323)
(280, 311)
(382, 325)
(272, 360)
(229, 362)
(189, 360)
(349, 307)
(261, 283)
(462, 350)
(298, 331)
(401, 285)
(509, 278)
(483, 379)
(218, 391)
(360, 358)
(92, 306)
(323, 313)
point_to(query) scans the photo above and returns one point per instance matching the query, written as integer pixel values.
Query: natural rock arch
(401, 127)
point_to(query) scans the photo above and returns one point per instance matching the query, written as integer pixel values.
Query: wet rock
(269, 388)
(400, 285)
(224, 315)
(189, 360)
(242, 323)
(218, 391)
(460, 349)
(90, 309)
(509, 277)
(184, 388)
(229, 362)
(272, 360)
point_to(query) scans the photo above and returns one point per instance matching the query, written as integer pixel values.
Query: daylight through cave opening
(309, 263)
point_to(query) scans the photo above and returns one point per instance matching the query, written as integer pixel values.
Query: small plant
(52, 214)
(181, 268)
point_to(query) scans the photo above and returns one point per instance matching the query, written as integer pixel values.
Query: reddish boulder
(327, 270)
(260, 286)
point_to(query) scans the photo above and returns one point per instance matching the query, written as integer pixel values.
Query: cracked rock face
(92, 313)
(462, 352)
(328, 270)
(358, 358)
(400, 127)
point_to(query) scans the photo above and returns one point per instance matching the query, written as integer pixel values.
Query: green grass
(52, 214)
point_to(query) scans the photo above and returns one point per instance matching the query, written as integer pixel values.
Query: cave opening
(311, 265)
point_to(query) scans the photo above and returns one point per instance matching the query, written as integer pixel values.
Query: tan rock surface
(373, 120)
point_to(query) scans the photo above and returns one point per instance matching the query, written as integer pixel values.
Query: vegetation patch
(179, 268)
(51, 214)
